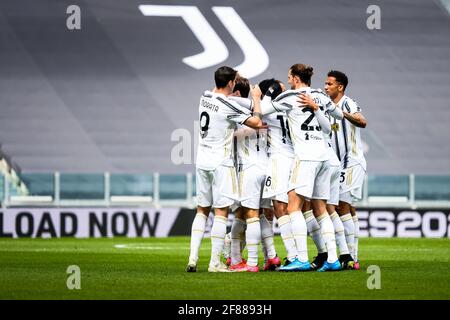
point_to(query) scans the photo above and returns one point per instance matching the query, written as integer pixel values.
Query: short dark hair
(243, 85)
(303, 71)
(267, 83)
(340, 77)
(223, 75)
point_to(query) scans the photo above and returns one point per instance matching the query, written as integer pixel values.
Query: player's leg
(225, 193)
(298, 224)
(345, 258)
(344, 254)
(355, 246)
(237, 236)
(345, 215)
(250, 181)
(344, 211)
(218, 232)
(321, 194)
(271, 259)
(204, 200)
(351, 191)
(284, 222)
(252, 238)
(315, 233)
(298, 227)
(301, 185)
(327, 230)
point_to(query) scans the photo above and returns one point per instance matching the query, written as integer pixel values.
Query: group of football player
(295, 154)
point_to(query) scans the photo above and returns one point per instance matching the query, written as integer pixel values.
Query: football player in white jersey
(281, 157)
(252, 160)
(215, 173)
(310, 176)
(345, 258)
(348, 147)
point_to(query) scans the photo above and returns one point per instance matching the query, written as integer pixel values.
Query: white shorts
(334, 185)
(311, 179)
(277, 177)
(217, 188)
(351, 184)
(251, 180)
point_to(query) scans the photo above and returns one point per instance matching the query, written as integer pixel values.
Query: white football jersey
(278, 135)
(332, 157)
(251, 146)
(346, 138)
(306, 134)
(218, 118)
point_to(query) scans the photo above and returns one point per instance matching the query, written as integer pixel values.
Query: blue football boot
(330, 266)
(296, 265)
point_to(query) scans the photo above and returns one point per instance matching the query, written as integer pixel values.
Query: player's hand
(263, 126)
(256, 92)
(274, 90)
(306, 100)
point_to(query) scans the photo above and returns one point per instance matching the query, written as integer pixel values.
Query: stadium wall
(165, 222)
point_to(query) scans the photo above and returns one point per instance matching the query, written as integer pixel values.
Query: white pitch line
(149, 247)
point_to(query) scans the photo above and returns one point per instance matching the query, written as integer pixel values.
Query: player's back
(218, 117)
(278, 134)
(306, 133)
(251, 146)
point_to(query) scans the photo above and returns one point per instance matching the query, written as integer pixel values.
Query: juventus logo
(215, 51)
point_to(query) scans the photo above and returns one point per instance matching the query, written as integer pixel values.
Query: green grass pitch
(153, 268)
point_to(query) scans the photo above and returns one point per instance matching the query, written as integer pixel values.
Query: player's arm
(279, 104)
(335, 111)
(255, 121)
(243, 102)
(356, 119)
(324, 123)
(243, 132)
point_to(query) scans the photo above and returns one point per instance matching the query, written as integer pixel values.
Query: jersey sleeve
(243, 102)
(351, 106)
(233, 111)
(269, 106)
(331, 108)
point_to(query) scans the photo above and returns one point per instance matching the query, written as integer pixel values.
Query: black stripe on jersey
(229, 105)
(344, 131)
(338, 151)
(287, 105)
(320, 92)
(346, 106)
(285, 95)
(329, 105)
(274, 107)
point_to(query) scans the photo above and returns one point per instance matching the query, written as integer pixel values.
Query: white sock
(237, 230)
(339, 233)
(218, 232)
(327, 231)
(299, 230)
(355, 247)
(197, 232)
(314, 231)
(349, 230)
(253, 237)
(284, 223)
(267, 237)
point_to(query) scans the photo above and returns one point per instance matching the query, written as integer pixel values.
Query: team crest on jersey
(335, 127)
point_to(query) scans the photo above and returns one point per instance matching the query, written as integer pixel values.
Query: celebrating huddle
(295, 154)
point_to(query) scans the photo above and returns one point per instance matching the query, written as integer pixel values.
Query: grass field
(153, 268)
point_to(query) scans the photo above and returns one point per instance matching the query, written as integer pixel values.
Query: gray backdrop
(108, 97)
